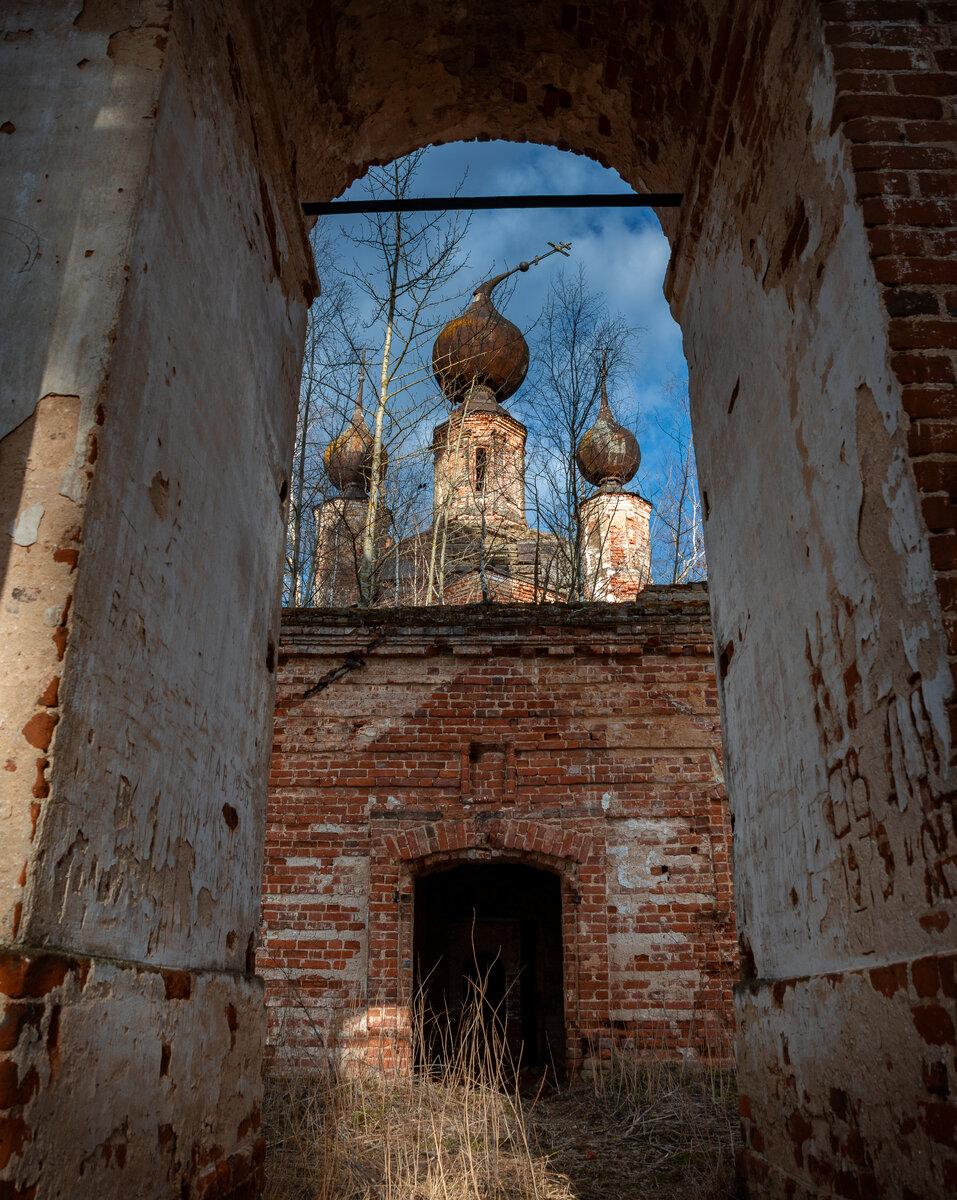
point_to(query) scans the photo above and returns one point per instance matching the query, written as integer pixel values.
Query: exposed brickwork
(617, 545)
(340, 525)
(340, 530)
(46, 996)
(896, 70)
(479, 462)
(503, 589)
(603, 767)
(815, 1097)
(39, 575)
(240, 1176)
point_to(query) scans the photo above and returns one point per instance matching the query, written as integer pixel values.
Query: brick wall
(465, 486)
(617, 545)
(503, 589)
(584, 741)
(896, 72)
(340, 528)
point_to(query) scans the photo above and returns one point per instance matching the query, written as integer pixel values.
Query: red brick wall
(467, 589)
(607, 722)
(617, 545)
(458, 493)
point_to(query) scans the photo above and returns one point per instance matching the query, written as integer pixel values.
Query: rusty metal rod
(315, 208)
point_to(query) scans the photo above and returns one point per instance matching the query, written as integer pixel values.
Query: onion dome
(608, 455)
(348, 458)
(481, 349)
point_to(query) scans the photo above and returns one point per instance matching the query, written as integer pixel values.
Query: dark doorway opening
(500, 923)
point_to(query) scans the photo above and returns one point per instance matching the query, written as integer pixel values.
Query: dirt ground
(676, 1144)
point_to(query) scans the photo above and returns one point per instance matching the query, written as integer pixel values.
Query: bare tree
(403, 269)
(327, 377)
(560, 403)
(416, 259)
(677, 544)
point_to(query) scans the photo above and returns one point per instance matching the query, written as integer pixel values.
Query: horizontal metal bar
(313, 208)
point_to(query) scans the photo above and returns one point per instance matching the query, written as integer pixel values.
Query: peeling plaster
(25, 529)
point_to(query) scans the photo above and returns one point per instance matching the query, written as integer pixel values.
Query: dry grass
(456, 1130)
(460, 1130)
(646, 1129)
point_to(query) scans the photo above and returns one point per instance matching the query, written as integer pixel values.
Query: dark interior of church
(496, 929)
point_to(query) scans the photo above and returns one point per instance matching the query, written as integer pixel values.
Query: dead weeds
(672, 1138)
(458, 1127)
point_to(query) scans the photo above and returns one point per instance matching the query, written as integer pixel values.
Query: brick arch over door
(812, 275)
(428, 844)
(579, 861)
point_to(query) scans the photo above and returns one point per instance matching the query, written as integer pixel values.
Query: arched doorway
(496, 927)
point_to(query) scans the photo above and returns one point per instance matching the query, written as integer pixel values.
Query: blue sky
(624, 252)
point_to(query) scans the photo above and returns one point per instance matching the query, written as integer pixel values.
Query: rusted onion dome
(348, 458)
(478, 348)
(608, 455)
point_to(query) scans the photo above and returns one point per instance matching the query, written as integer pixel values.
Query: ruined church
(529, 794)
(479, 545)
(156, 158)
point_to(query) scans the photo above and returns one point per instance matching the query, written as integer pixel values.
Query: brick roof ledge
(665, 619)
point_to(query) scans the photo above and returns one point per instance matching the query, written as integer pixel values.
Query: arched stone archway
(145, 434)
(397, 862)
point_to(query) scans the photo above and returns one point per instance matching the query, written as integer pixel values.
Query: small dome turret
(608, 455)
(348, 458)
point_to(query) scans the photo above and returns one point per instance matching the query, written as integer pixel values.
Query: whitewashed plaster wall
(160, 285)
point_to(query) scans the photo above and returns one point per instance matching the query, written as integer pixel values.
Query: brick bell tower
(615, 523)
(480, 359)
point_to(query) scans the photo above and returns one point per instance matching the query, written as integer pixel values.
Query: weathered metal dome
(348, 458)
(608, 455)
(480, 348)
